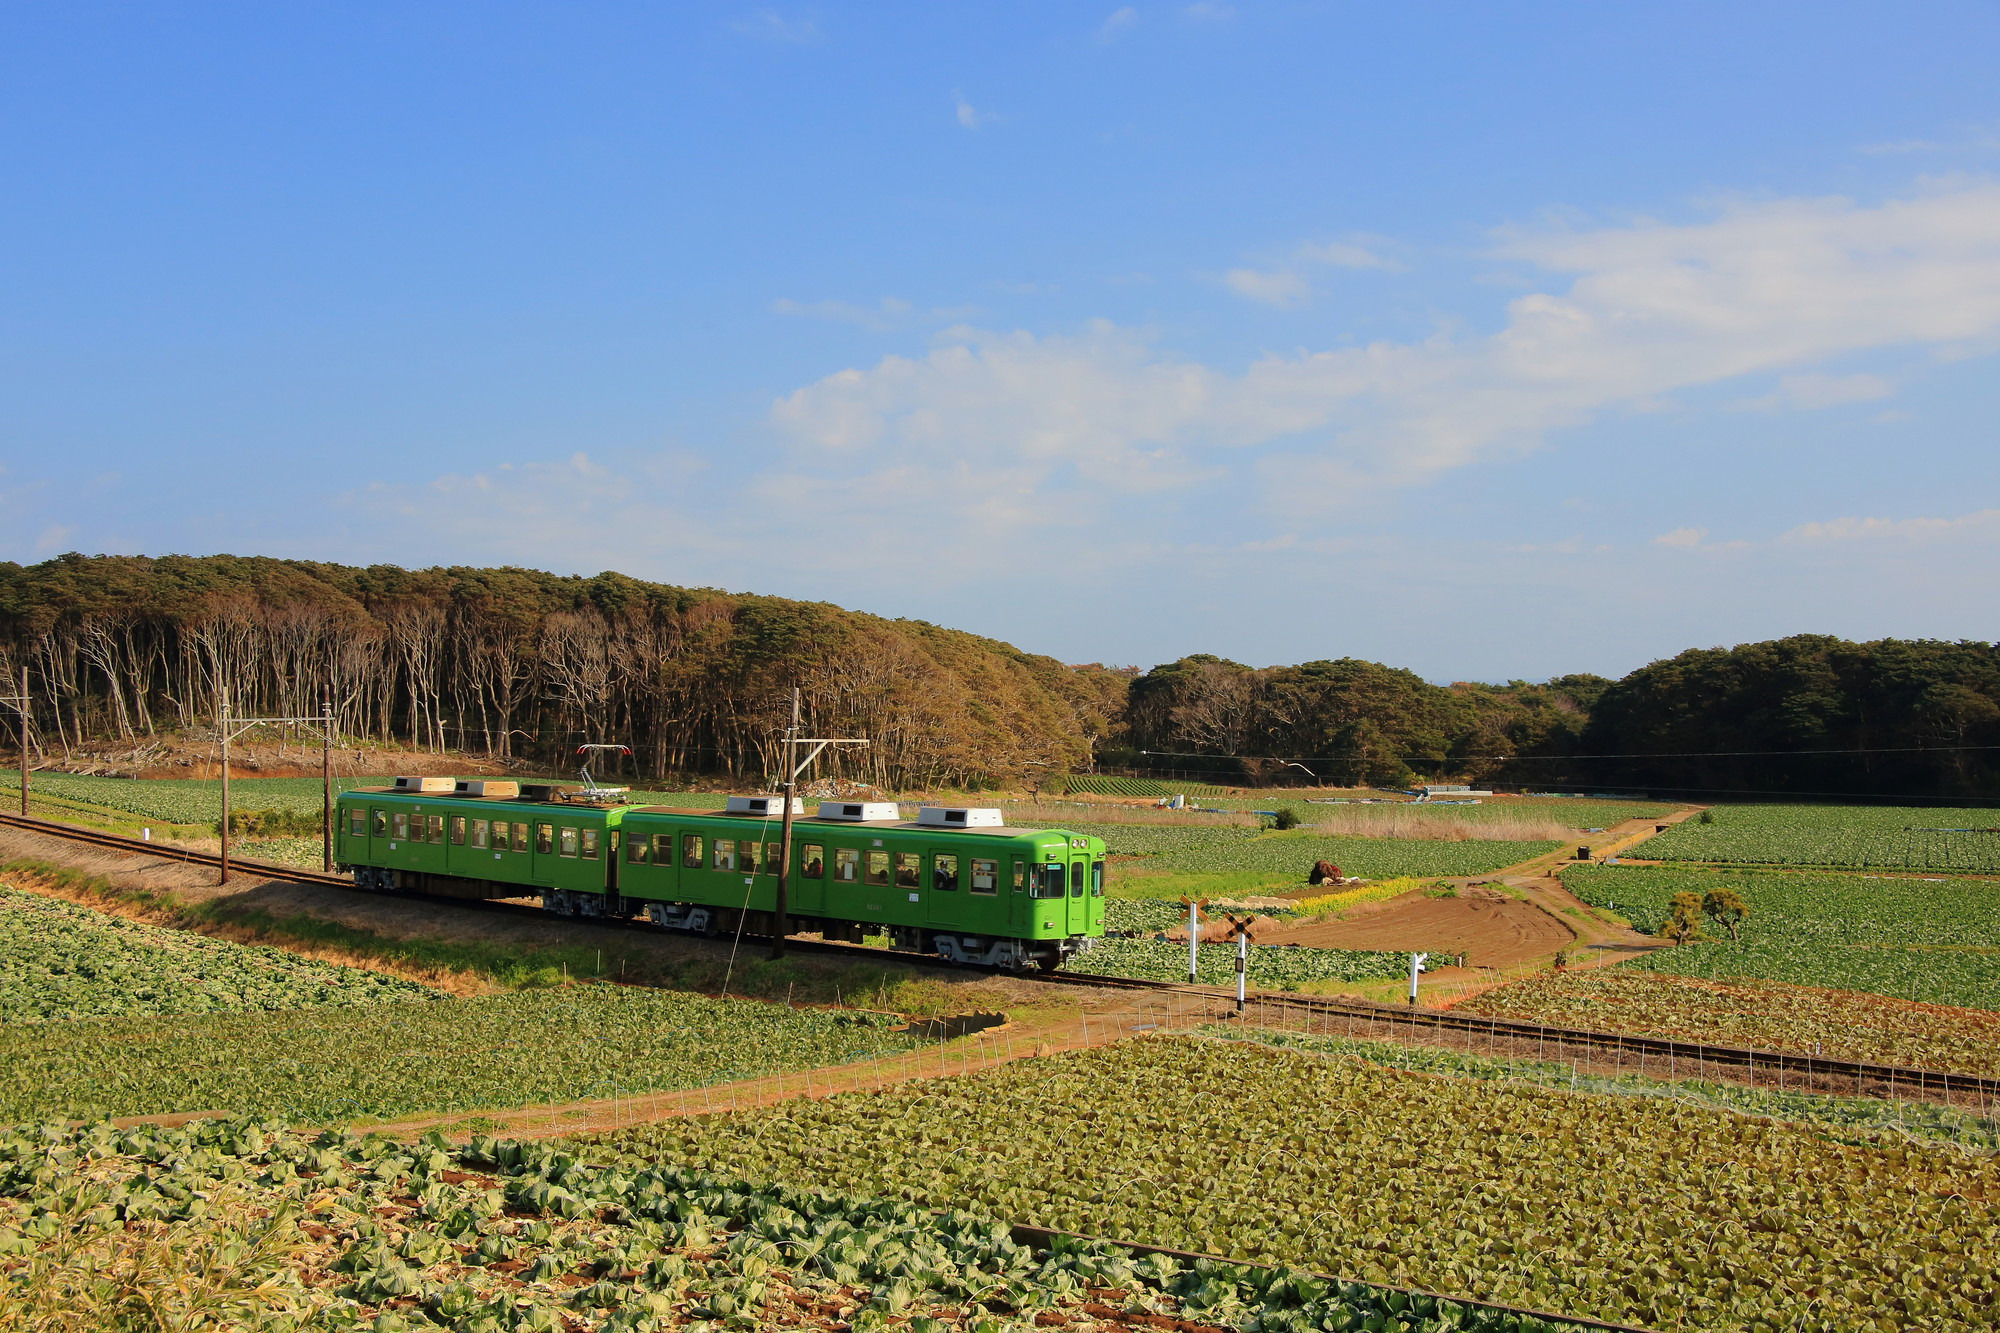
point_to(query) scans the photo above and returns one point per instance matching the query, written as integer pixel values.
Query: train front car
(955, 882)
(483, 838)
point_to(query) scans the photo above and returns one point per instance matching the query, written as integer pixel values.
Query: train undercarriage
(979, 950)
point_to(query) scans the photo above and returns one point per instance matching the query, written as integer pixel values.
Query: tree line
(522, 665)
(518, 664)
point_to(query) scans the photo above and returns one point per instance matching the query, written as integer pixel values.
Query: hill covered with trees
(516, 663)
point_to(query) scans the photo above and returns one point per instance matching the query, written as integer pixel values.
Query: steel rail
(1680, 1057)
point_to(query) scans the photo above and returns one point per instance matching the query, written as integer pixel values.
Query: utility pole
(20, 702)
(229, 728)
(793, 767)
(326, 786)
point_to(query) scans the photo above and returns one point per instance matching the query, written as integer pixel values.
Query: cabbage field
(326, 1066)
(1769, 1015)
(257, 1226)
(1640, 1210)
(191, 800)
(61, 961)
(1932, 940)
(1269, 967)
(1835, 836)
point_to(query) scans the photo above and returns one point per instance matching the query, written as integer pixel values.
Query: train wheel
(1050, 964)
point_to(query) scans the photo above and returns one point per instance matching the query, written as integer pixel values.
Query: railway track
(1330, 1015)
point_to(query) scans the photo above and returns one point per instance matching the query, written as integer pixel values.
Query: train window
(399, 825)
(499, 835)
(812, 861)
(663, 849)
(725, 854)
(545, 838)
(357, 822)
(691, 850)
(878, 868)
(566, 841)
(944, 874)
(846, 865)
(774, 856)
(589, 844)
(478, 833)
(1019, 874)
(520, 837)
(458, 830)
(1097, 879)
(746, 857)
(637, 848)
(1049, 883)
(909, 870)
(1076, 879)
(381, 823)
(436, 824)
(985, 875)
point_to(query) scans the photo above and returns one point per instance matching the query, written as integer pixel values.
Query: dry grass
(1390, 822)
(1054, 814)
(235, 1269)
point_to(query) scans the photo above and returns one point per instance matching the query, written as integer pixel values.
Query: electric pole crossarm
(793, 767)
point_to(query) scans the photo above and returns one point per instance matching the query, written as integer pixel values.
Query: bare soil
(1490, 929)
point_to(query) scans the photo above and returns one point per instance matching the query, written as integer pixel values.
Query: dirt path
(1490, 929)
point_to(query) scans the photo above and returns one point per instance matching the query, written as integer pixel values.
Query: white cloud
(1809, 392)
(1282, 287)
(970, 117)
(1347, 254)
(1983, 525)
(1118, 23)
(1651, 309)
(1681, 537)
(768, 26)
(882, 315)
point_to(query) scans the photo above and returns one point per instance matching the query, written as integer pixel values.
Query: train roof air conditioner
(426, 784)
(959, 816)
(860, 812)
(487, 787)
(762, 805)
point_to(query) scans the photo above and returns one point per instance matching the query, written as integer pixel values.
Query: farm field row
(1577, 813)
(1843, 1025)
(1936, 941)
(1643, 1210)
(450, 1055)
(1267, 968)
(258, 1226)
(1858, 1120)
(1280, 862)
(60, 961)
(1836, 836)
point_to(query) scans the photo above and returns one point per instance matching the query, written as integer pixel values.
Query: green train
(954, 882)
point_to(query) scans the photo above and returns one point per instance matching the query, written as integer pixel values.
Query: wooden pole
(784, 925)
(326, 787)
(24, 740)
(225, 786)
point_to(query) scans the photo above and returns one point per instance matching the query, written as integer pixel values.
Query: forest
(516, 664)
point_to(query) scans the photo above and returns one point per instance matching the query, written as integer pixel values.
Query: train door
(1019, 908)
(542, 862)
(1079, 893)
(808, 882)
(944, 893)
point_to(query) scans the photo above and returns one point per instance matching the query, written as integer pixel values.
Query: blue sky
(1492, 341)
